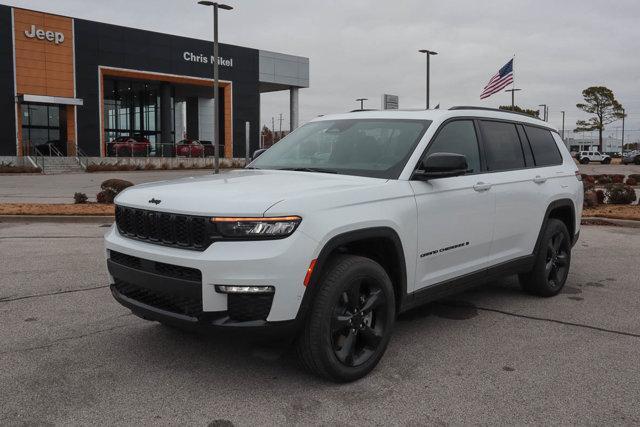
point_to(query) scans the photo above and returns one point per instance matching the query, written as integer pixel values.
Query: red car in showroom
(194, 148)
(126, 146)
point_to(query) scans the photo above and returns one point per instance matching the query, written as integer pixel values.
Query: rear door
(519, 203)
(455, 214)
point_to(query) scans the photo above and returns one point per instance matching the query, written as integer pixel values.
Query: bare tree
(602, 104)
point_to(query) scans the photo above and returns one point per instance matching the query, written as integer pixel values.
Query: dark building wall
(7, 101)
(109, 45)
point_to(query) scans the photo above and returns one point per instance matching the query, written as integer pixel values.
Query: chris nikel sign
(206, 59)
(40, 34)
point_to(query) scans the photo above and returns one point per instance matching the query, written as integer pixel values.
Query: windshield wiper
(321, 170)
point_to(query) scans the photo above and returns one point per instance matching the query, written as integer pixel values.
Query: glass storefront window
(132, 108)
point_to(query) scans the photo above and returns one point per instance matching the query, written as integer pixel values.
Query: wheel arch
(563, 210)
(382, 244)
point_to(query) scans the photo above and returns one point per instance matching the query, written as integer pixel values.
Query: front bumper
(150, 293)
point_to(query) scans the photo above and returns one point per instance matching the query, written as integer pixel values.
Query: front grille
(176, 230)
(245, 307)
(169, 270)
(167, 301)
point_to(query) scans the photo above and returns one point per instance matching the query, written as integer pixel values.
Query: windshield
(376, 148)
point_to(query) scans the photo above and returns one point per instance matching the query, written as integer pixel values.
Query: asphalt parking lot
(70, 354)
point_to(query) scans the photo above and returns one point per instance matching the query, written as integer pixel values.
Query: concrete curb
(621, 222)
(83, 219)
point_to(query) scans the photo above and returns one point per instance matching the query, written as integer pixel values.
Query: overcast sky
(360, 48)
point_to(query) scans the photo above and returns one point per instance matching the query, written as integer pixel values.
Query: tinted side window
(545, 150)
(502, 146)
(458, 137)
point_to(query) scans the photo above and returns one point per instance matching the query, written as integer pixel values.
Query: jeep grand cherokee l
(348, 221)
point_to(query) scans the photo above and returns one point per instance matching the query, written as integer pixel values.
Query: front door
(455, 215)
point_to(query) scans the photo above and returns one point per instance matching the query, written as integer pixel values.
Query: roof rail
(363, 109)
(468, 107)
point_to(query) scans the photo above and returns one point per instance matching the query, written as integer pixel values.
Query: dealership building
(86, 83)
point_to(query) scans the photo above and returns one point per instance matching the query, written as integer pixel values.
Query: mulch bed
(631, 212)
(89, 209)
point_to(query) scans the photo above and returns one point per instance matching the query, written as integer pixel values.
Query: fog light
(227, 289)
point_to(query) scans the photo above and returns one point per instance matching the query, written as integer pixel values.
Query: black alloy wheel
(557, 260)
(359, 322)
(349, 322)
(552, 261)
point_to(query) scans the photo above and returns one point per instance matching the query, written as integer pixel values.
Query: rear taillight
(578, 176)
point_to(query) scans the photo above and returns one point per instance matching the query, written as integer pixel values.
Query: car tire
(637, 160)
(124, 152)
(584, 161)
(349, 323)
(606, 161)
(552, 262)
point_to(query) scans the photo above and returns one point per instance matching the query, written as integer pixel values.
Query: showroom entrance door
(43, 129)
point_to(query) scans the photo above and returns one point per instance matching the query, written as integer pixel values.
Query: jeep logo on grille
(155, 201)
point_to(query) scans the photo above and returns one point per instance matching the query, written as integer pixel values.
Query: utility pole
(280, 125)
(428, 53)
(562, 125)
(513, 98)
(622, 144)
(544, 111)
(361, 100)
(216, 83)
(273, 131)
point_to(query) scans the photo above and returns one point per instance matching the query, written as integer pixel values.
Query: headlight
(265, 228)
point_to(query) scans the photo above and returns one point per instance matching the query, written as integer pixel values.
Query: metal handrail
(80, 156)
(40, 157)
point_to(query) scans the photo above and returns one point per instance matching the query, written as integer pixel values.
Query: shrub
(80, 198)
(631, 181)
(588, 179)
(9, 167)
(110, 167)
(105, 196)
(590, 199)
(619, 194)
(603, 179)
(600, 196)
(617, 178)
(115, 185)
(635, 176)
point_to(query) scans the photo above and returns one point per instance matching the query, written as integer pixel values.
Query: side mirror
(441, 165)
(258, 153)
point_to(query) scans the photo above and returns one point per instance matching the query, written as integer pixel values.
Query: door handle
(539, 180)
(482, 186)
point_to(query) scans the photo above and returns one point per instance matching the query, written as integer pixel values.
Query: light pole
(544, 111)
(361, 100)
(428, 54)
(216, 83)
(562, 125)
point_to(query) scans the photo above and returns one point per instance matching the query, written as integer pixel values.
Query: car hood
(237, 193)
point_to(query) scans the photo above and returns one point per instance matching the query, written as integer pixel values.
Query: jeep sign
(40, 34)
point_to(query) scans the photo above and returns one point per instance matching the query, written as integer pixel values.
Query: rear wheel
(606, 161)
(637, 160)
(552, 262)
(349, 324)
(584, 160)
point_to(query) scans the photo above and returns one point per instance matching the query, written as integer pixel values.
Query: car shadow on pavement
(226, 357)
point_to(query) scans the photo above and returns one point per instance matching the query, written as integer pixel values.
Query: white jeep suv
(585, 157)
(347, 222)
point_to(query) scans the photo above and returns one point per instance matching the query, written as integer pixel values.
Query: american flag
(502, 79)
